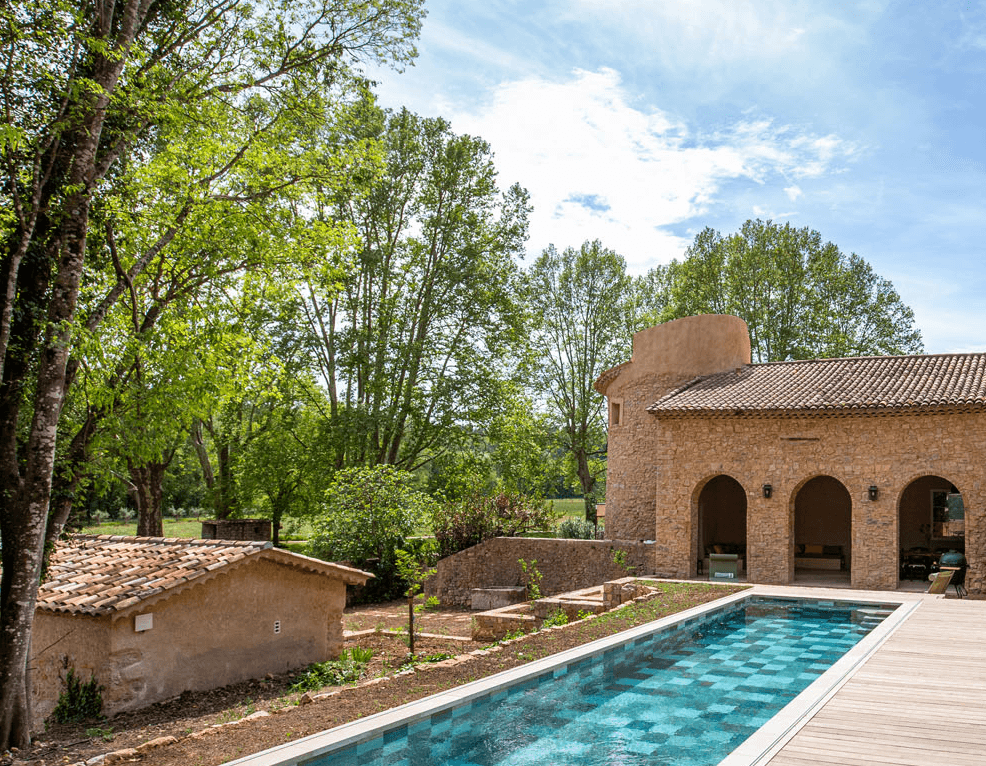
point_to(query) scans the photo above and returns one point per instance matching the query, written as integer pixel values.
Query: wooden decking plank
(919, 699)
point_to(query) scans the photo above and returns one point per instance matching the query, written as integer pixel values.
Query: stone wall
(664, 358)
(888, 452)
(565, 565)
(215, 632)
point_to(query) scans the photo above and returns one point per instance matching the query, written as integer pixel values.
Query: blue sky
(642, 122)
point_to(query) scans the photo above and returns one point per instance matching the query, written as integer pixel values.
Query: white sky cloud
(599, 166)
(863, 118)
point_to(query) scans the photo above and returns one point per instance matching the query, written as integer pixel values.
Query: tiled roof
(837, 386)
(100, 574)
(605, 378)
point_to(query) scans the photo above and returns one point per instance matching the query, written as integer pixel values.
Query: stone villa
(846, 465)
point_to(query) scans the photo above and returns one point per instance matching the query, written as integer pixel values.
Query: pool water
(686, 696)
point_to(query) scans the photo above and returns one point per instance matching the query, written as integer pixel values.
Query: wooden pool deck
(919, 699)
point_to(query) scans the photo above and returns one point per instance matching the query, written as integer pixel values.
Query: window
(615, 411)
(946, 522)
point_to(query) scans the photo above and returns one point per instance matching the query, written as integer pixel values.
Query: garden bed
(194, 720)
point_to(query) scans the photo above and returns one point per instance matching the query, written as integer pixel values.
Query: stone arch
(821, 527)
(719, 505)
(924, 530)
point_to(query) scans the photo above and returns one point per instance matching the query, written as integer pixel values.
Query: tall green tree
(83, 88)
(801, 297)
(578, 301)
(411, 338)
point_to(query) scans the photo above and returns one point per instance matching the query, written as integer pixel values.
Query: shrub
(348, 669)
(531, 577)
(80, 701)
(468, 521)
(555, 618)
(366, 515)
(576, 529)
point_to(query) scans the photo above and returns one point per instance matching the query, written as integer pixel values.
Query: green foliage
(427, 313)
(622, 560)
(348, 669)
(80, 700)
(531, 578)
(802, 298)
(462, 523)
(576, 529)
(368, 513)
(360, 654)
(581, 307)
(558, 617)
(99, 732)
(583, 615)
(366, 516)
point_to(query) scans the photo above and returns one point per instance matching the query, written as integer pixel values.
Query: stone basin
(484, 599)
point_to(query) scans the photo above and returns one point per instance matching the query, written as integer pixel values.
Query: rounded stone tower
(664, 358)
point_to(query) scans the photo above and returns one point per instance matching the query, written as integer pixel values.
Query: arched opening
(931, 521)
(822, 530)
(722, 520)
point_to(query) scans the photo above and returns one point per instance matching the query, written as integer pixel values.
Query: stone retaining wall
(566, 565)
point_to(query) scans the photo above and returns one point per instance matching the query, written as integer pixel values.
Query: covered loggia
(931, 521)
(721, 519)
(822, 529)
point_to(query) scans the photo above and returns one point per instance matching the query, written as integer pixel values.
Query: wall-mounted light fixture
(767, 491)
(874, 492)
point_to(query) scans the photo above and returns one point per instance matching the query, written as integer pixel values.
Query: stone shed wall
(223, 631)
(61, 641)
(886, 451)
(565, 565)
(211, 634)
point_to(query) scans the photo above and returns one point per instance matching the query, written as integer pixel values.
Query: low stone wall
(566, 565)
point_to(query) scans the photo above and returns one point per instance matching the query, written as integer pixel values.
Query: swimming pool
(687, 694)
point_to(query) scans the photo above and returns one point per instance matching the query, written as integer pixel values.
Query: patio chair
(940, 581)
(957, 581)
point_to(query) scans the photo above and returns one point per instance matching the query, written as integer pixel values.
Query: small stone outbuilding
(152, 617)
(850, 467)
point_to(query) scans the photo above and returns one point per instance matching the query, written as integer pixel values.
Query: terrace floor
(918, 699)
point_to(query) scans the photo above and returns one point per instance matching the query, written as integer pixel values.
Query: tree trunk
(588, 482)
(146, 479)
(225, 497)
(198, 441)
(275, 525)
(410, 623)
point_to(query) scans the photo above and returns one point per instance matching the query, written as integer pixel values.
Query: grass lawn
(183, 528)
(569, 507)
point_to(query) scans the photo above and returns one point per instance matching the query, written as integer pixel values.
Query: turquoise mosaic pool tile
(685, 698)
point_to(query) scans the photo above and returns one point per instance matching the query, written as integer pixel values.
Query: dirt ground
(210, 728)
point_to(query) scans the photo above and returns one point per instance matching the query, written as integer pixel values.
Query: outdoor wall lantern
(874, 492)
(767, 491)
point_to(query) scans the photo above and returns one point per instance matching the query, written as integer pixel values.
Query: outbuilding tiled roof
(837, 386)
(100, 574)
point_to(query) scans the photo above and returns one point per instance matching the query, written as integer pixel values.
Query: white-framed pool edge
(757, 749)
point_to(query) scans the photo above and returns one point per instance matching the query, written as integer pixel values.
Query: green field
(184, 528)
(569, 507)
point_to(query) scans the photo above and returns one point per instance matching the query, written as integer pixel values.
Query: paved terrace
(919, 699)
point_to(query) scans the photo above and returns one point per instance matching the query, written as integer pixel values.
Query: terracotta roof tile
(857, 384)
(99, 574)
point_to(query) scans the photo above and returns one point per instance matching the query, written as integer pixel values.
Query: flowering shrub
(468, 521)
